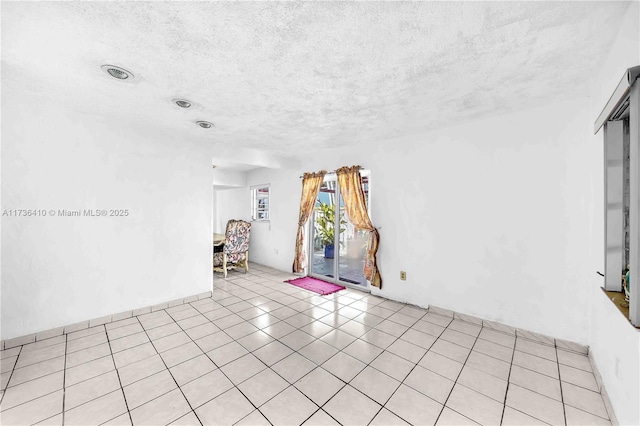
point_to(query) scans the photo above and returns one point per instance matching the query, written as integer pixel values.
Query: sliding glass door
(336, 247)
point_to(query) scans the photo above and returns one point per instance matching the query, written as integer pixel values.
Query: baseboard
(58, 331)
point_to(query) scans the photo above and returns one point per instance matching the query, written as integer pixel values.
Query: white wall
(230, 204)
(60, 270)
(487, 218)
(615, 344)
(273, 242)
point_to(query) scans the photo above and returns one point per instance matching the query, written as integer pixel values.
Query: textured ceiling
(297, 77)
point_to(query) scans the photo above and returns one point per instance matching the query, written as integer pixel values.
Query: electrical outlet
(403, 275)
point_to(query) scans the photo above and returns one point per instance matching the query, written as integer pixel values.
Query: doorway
(337, 248)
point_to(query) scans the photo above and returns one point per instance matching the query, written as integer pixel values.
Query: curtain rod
(333, 172)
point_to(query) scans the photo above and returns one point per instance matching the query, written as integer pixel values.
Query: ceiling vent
(117, 72)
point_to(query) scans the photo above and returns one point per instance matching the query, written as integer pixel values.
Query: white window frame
(624, 102)
(258, 213)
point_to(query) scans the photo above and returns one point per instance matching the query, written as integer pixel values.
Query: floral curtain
(350, 183)
(311, 183)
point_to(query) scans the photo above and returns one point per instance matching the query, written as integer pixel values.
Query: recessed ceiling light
(182, 103)
(117, 72)
(204, 124)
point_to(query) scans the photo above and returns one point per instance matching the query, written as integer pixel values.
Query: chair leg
(246, 262)
(224, 264)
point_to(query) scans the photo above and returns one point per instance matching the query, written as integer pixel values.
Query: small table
(218, 242)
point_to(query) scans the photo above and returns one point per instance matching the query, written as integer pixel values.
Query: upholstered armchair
(236, 248)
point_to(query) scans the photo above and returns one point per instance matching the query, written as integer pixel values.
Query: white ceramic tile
(490, 365)
(319, 351)
(498, 337)
(379, 338)
(390, 327)
(474, 405)
(290, 407)
(363, 351)
(90, 389)
(319, 385)
(169, 342)
(538, 349)
(580, 418)
(263, 386)
(407, 350)
(181, 354)
(441, 365)
(429, 328)
(404, 401)
(418, 338)
(537, 364)
(392, 365)
(448, 417)
(124, 330)
(189, 419)
(535, 405)
(43, 343)
(33, 389)
(192, 369)
(574, 360)
(350, 407)
(88, 370)
(128, 342)
(148, 388)
(142, 369)
(343, 366)
(129, 356)
(536, 382)
(213, 341)
(513, 417)
(450, 350)
(483, 383)
(430, 384)
(34, 371)
(495, 350)
(297, 340)
(52, 421)
(254, 419)
(272, 352)
(584, 399)
(98, 410)
(317, 329)
(38, 355)
(122, 322)
(293, 367)
(163, 331)
(163, 410)
(33, 411)
(88, 354)
(354, 328)
(321, 418)
(387, 418)
(206, 388)
(8, 364)
(242, 368)
(83, 332)
(458, 338)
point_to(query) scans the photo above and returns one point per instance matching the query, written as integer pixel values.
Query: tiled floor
(261, 351)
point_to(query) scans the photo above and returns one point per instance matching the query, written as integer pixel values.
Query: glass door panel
(336, 247)
(322, 251)
(353, 246)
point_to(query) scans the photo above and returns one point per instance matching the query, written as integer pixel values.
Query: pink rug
(317, 286)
